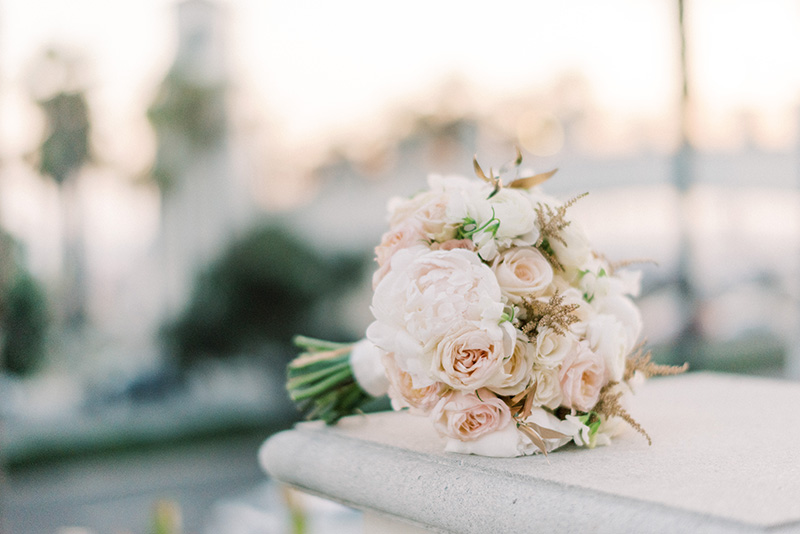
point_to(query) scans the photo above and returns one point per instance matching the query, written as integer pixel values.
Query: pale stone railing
(725, 458)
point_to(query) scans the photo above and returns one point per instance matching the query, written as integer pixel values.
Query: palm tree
(63, 152)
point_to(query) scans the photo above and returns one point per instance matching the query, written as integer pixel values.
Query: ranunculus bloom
(471, 356)
(402, 392)
(582, 376)
(468, 416)
(522, 271)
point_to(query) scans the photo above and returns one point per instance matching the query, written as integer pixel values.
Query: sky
(310, 70)
(310, 66)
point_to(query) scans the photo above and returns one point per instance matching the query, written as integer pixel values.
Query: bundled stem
(321, 380)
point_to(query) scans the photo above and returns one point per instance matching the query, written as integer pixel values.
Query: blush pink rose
(472, 356)
(582, 376)
(453, 244)
(404, 236)
(402, 392)
(468, 416)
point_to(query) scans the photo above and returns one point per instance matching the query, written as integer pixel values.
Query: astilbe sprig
(552, 314)
(550, 223)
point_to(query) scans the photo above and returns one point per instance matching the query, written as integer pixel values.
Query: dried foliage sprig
(552, 221)
(641, 361)
(609, 405)
(553, 314)
(520, 183)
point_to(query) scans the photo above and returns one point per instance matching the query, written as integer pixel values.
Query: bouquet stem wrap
(324, 378)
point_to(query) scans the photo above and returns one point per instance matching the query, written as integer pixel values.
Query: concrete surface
(724, 459)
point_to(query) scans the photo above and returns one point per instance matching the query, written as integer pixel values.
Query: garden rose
(582, 376)
(468, 416)
(515, 373)
(470, 356)
(548, 387)
(402, 392)
(403, 236)
(552, 347)
(521, 272)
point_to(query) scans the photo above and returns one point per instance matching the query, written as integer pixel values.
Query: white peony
(424, 296)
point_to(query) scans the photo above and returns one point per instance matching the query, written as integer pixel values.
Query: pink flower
(468, 416)
(402, 391)
(452, 244)
(406, 235)
(471, 356)
(582, 376)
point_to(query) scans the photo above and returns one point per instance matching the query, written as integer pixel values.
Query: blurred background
(185, 185)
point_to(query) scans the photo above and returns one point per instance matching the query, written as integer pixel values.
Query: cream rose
(582, 376)
(471, 356)
(522, 271)
(515, 373)
(468, 416)
(548, 388)
(402, 392)
(552, 347)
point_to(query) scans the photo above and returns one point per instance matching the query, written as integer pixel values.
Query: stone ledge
(723, 460)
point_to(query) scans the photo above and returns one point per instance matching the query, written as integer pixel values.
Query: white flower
(548, 387)
(576, 253)
(599, 284)
(368, 370)
(522, 271)
(426, 295)
(517, 220)
(552, 347)
(515, 373)
(613, 332)
(545, 419)
(470, 356)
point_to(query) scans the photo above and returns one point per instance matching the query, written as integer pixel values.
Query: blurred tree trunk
(686, 344)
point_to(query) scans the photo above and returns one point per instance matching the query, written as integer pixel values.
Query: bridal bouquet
(494, 318)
